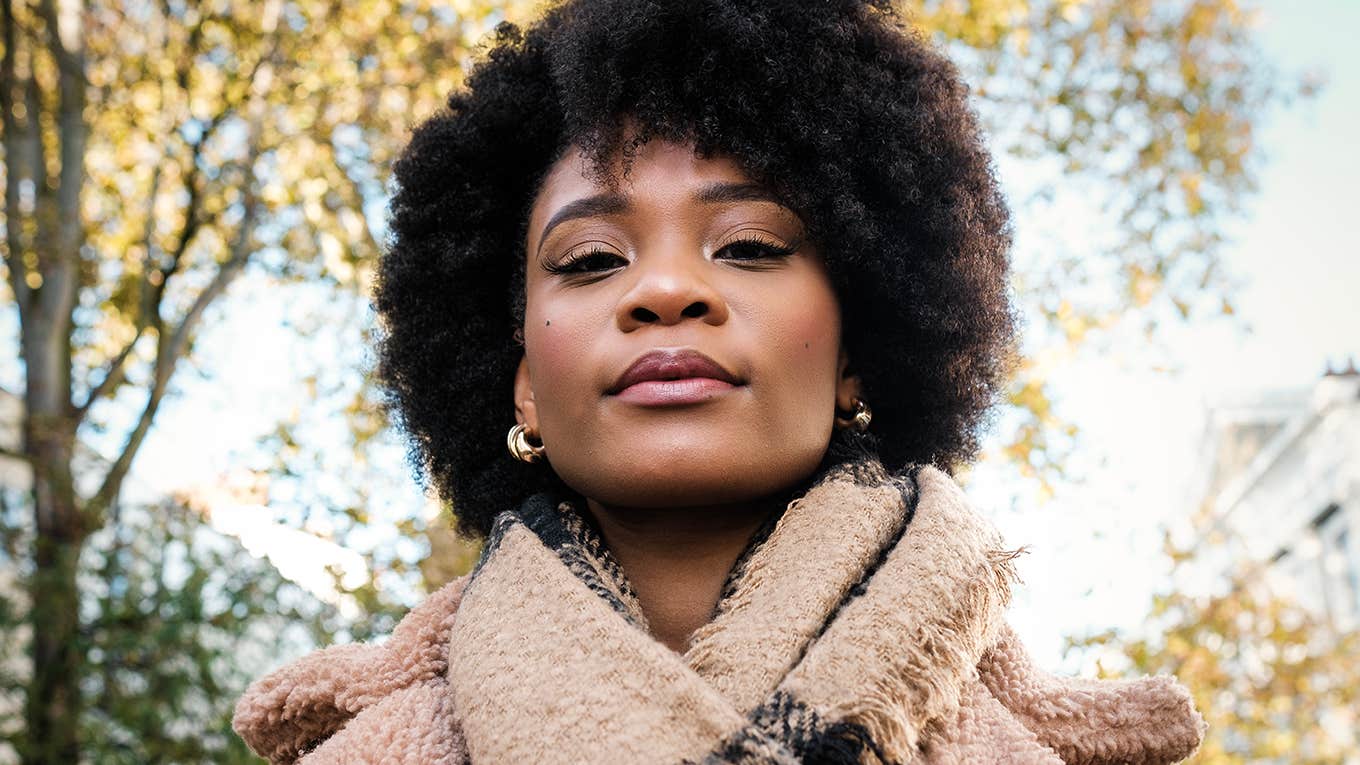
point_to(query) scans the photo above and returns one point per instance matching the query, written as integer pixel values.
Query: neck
(677, 558)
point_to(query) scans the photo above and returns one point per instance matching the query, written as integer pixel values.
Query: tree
(1142, 115)
(1275, 682)
(182, 618)
(152, 152)
(156, 151)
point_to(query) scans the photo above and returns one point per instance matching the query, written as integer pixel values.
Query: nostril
(644, 315)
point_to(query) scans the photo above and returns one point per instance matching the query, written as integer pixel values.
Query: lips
(671, 365)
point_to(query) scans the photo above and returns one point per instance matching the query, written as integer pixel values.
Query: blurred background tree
(1276, 682)
(154, 152)
(1146, 111)
(176, 617)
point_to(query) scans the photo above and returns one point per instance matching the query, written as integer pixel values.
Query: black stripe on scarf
(785, 731)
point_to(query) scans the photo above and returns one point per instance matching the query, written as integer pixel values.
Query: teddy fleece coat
(864, 624)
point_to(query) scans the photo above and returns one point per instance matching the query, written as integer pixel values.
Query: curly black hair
(845, 112)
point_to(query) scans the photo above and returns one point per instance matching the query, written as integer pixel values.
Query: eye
(590, 261)
(755, 248)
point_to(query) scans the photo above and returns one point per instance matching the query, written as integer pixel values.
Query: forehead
(661, 170)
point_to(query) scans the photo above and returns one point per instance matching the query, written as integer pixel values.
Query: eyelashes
(758, 248)
(593, 260)
(596, 260)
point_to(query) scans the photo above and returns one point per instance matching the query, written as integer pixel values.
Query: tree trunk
(53, 709)
(61, 520)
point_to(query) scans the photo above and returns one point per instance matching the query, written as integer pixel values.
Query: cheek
(803, 336)
(818, 324)
(557, 342)
(794, 346)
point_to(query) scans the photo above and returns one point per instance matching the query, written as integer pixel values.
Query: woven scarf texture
(864, 624)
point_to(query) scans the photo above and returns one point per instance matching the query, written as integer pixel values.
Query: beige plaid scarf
(864, 624)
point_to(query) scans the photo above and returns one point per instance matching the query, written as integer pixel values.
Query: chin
(693, 476)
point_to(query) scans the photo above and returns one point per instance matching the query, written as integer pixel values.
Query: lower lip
(688, 390)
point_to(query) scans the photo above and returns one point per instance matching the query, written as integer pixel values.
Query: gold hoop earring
(517, 441)
(859, 421)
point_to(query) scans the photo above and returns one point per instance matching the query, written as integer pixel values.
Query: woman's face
(687, 257)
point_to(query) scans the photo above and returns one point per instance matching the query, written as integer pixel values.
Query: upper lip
(664, 364)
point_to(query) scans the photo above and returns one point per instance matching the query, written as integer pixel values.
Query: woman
(733, 275)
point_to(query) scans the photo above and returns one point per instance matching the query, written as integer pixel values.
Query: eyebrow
(612, 203)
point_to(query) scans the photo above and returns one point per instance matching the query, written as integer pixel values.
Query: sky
(1094, 556)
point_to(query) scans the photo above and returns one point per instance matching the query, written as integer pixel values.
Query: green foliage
(177, 620)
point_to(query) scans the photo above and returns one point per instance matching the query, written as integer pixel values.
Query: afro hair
(853, 120)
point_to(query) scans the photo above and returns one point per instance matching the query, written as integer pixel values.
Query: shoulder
(1149, 719)
(301, 704)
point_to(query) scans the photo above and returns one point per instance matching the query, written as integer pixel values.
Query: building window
(1340, 567)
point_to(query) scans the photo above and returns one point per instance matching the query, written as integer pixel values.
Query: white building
(1280, 480)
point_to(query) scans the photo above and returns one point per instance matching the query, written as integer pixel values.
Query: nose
(670, 287)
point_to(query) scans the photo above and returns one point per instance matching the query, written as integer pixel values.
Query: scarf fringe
(886, 711)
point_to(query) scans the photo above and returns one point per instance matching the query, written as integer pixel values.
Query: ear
(847, 383)
(526, 412)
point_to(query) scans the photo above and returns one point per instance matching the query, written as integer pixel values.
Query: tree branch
(240, 253)
(172, 347)
(60, 227)
(71, 126)
(113, 375)
(14, 131)
(153, 292)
